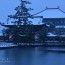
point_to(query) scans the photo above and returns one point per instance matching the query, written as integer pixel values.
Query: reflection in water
(31, 56)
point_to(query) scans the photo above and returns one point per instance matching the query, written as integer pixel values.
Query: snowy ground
(4, 44)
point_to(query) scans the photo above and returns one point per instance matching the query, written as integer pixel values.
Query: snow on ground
(4, 44)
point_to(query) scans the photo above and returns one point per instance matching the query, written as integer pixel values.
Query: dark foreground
(32, 56)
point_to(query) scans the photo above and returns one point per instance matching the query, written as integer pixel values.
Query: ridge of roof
(48, 9)
(52, 8)
(55, 8)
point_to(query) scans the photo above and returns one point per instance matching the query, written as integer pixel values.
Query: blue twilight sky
(7, 6)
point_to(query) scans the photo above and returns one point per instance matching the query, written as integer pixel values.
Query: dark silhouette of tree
(22, 14)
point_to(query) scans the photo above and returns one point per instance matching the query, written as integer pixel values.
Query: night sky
(7, 6)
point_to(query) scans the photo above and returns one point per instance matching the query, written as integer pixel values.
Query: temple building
(54, 18)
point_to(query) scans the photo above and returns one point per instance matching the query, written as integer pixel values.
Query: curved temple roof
(52, 13)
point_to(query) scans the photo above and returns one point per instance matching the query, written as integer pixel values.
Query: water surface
(31, 56)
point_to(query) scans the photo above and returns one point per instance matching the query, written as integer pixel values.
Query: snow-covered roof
(60, 27)
(54, 35)
(51, 35)
(52, 13)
